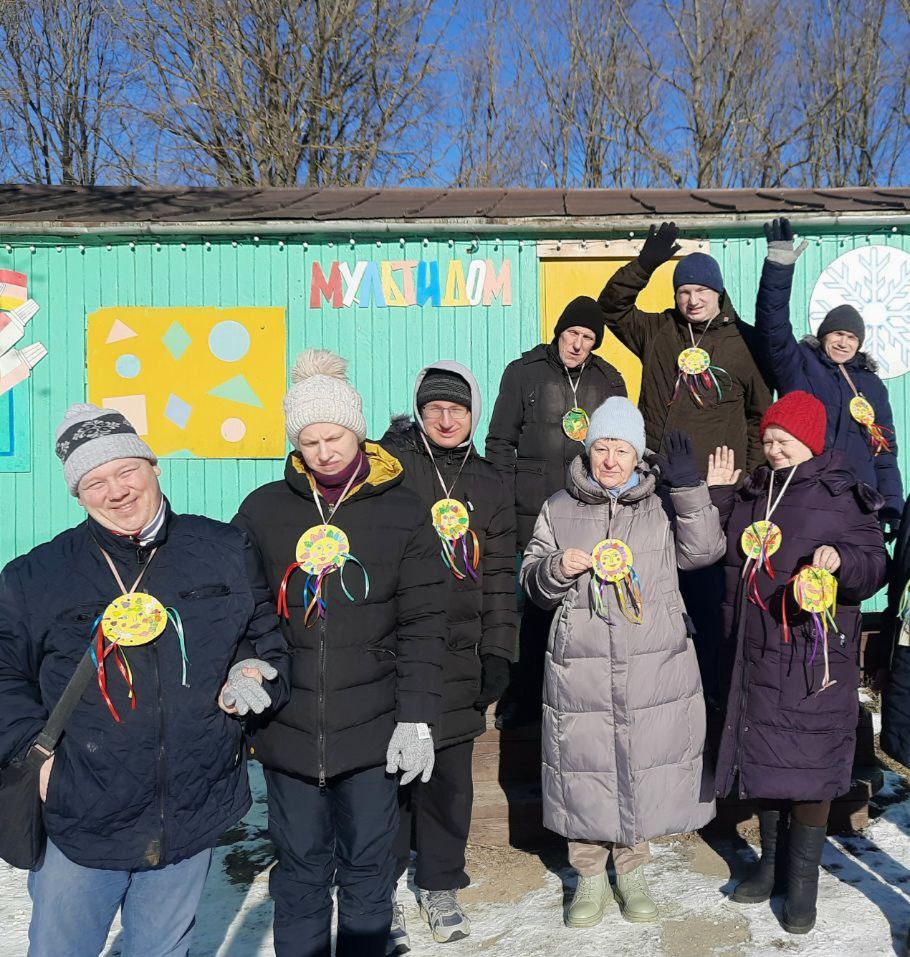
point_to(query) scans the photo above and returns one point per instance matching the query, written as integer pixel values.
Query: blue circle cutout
(128, 366)
(229, 341)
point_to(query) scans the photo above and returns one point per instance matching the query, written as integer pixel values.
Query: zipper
(321, 699)
(741, 718)
(162, 756)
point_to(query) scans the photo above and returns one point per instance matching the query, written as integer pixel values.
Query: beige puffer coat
(624, 714)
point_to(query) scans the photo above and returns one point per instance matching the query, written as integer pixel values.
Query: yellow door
(561, 280)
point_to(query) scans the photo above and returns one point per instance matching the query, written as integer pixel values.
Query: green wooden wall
(386, 346)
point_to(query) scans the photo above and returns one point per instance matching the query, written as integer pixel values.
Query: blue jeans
(73, 907)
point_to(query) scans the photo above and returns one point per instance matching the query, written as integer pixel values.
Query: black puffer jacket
(481, 613)
(895, 737)
(369, 663)
(165, 782)
(525, 438)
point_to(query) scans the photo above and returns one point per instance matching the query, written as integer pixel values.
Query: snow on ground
(864, 906)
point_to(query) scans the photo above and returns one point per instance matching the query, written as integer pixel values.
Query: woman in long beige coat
(624, 714)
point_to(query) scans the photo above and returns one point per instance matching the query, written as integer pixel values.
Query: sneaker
(441, 910)
(399, 942)
(587, 907)
(633, 896)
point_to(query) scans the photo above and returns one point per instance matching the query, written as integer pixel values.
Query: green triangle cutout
(237, 390)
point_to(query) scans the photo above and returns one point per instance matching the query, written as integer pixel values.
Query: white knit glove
(411, 750)
(244, 693)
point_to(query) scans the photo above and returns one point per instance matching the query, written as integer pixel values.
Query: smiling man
(151, 766)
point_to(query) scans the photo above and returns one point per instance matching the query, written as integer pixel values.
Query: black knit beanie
(843, 319)
(441, 386)
(582, 311)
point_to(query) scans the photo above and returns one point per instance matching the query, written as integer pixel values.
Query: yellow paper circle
(612, 559)
(861, 410)
(450, 518)
(133, 620)
(693, 360)
(757, 533)
(322, 546)
(575, 424)
(815, 589)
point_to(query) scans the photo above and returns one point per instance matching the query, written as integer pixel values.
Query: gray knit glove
(246, 694)
(411, 750)
(779, 234)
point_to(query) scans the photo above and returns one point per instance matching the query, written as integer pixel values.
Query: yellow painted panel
(561, 280)
(203, 382)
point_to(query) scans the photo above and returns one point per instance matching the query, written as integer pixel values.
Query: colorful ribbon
(628, 594)
(313, 597)
(820, 622)
(450, 554)
(704, 381)
(100, 653)
(878, 441)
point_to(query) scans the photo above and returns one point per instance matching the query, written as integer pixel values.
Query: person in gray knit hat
(150, 769)
(352, 560)
(624, 711)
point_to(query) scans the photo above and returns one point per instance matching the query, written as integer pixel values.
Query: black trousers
(435, 820)
(703, 593)
(343, 835)
(525, 691)
(810, 813)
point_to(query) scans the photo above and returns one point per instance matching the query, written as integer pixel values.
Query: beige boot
(587, 907)
(633, 896)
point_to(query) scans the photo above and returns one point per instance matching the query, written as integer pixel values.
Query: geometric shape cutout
(229, 341)
(237, 390)
(132, 408)
(176, 340)
(177, 411)
(119, 332)
(233, 430)
(128, 366)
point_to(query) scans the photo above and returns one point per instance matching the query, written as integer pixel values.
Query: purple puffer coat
(781, 737)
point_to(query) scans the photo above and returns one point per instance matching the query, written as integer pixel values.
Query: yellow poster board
(561, 280)
(196, 381)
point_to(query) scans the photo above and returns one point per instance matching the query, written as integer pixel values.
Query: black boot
(806, 844)
(769, 876)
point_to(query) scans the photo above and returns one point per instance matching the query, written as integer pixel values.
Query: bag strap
(53, 730)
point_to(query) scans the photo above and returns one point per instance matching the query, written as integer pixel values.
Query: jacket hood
(449, 365)
(385, 470)
(581, 486)
(862, 360)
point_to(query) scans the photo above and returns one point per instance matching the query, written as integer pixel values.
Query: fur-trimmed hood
(862, 360)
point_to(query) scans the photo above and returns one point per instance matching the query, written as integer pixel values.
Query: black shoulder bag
(22, 835)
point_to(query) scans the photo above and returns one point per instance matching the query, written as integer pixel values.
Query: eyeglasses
(433, 412)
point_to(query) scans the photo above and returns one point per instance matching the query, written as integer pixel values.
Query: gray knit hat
(617, 418)
(321, 393)
(88, 437)
(440, 385)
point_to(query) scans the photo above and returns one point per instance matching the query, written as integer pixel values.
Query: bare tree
(277, 92)
(60, 84)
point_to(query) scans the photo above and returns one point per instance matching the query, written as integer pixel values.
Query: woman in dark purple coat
(789, 732)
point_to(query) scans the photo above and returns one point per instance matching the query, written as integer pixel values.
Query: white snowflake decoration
(876, 280)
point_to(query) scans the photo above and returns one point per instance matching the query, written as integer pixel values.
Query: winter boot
(806, 844)
(441, 910)
(589, 902)
(770, 874)
(399, 942)
(633, 896)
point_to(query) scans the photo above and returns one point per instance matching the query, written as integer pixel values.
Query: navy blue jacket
(167, 780)
(805, 366)
(895, 736)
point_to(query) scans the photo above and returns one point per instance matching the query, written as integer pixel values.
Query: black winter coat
(368, 663)
(481, 613)
(895, 736)
(657, 338)
(525, 438)
(783, 738)
(805, 365)
(165, 782)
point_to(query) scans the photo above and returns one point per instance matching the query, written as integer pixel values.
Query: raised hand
(722, 467)
(779, 234)
(659, 247)
(677, 465)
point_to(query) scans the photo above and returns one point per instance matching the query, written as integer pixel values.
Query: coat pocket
(530, 485)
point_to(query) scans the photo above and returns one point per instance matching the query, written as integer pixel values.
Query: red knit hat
(800, 414)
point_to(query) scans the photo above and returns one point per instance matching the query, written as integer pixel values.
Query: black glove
(659, 247)
(494, 679)
(889, 519)
(677, 467)
(779, 234)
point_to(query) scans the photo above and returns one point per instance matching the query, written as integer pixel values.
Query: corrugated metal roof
(22, 204)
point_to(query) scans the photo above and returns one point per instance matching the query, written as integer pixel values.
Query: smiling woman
(122, 495)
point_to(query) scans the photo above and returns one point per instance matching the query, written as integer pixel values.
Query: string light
(352, 241)
(306, 245)
(281, 244)
(208, 246)
(183, 246)
(255, 239)
(158, 247)
(234, 243)
(132, 245)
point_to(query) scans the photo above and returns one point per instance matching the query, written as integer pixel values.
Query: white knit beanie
(617, 418)
(321, 393)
